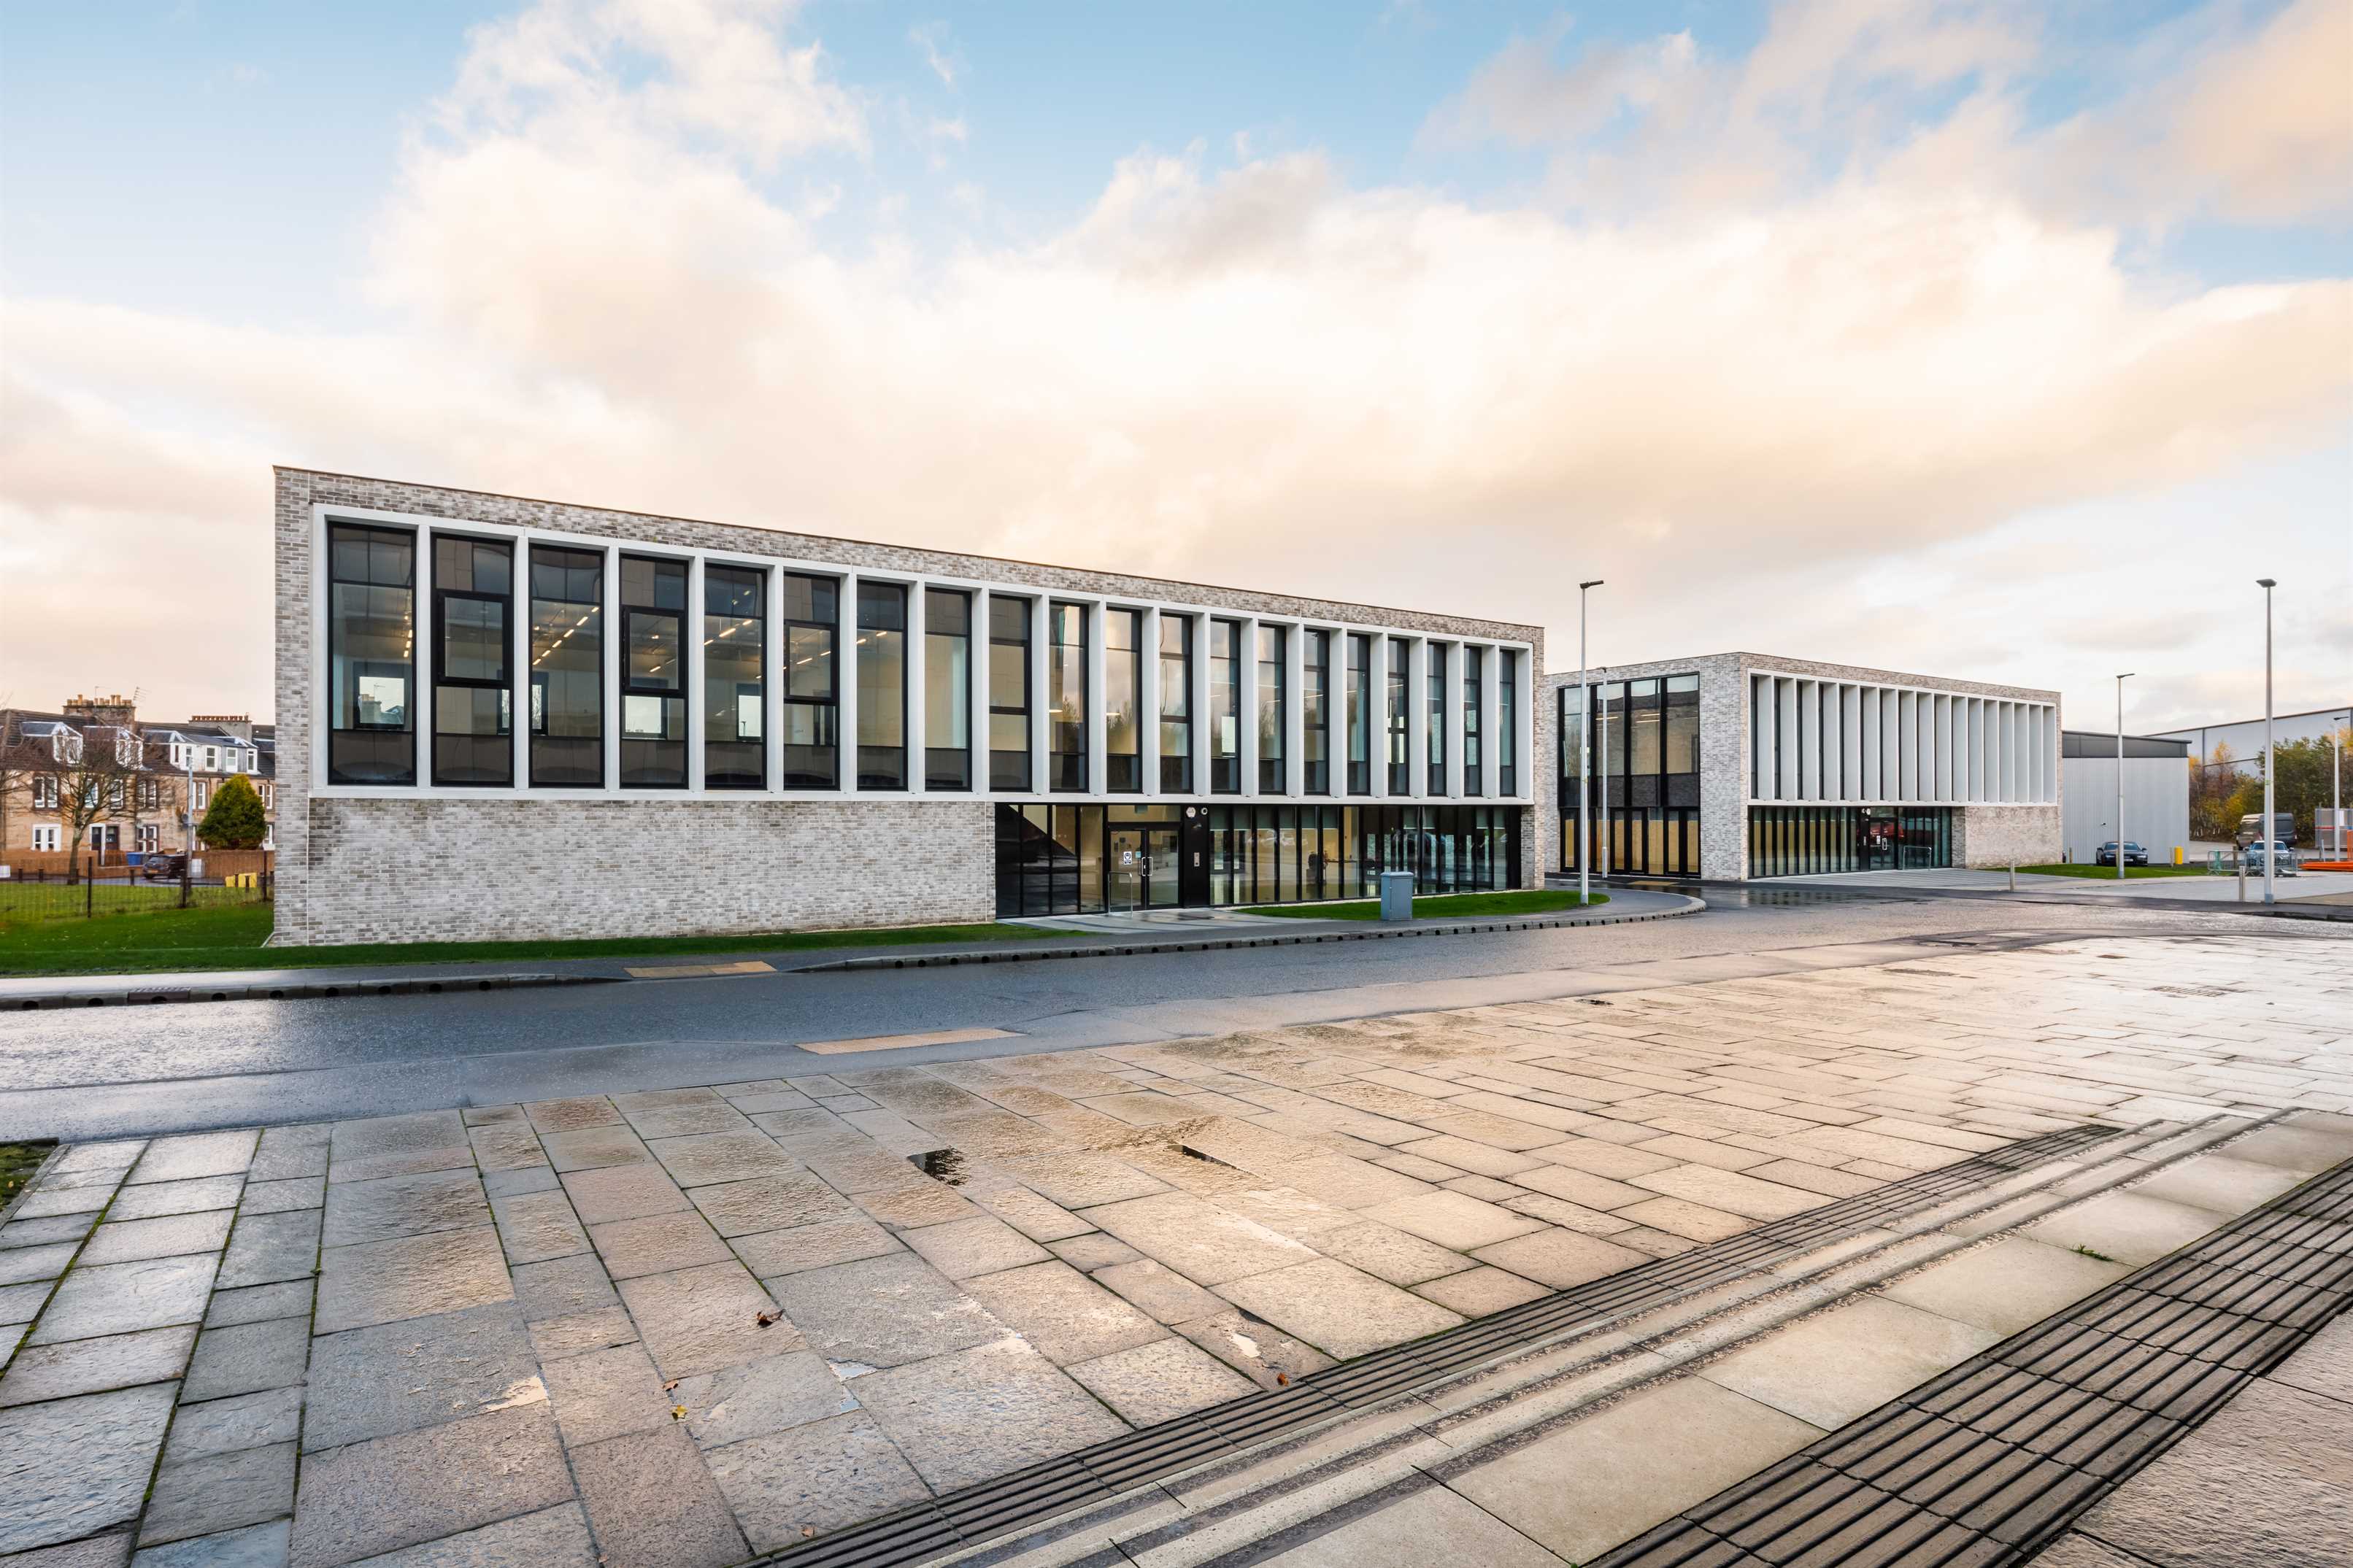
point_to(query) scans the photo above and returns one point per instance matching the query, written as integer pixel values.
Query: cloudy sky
(1991, 340)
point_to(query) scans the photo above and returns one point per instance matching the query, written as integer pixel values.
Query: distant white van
(2251, 827)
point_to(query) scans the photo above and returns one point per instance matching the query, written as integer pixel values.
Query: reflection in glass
(812, 712)
(881, 685)
(1122, 768)
(1066, 699)
(1009, 693)
(1508, 722)
(1271, 718)
(735, 670)
(371, 655)
(1360, 715)
(1473, 702)
(1393, 708)
(567, 667)
(947, 689)
(653, 673)
(473, 694)
(1176, 710)
(1225, 707)
(1435, 683)
(1315, 712)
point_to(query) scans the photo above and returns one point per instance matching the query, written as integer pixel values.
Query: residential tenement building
(155, 770)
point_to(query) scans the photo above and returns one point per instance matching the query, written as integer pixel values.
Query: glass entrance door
(1144, 869)
(1879, 839)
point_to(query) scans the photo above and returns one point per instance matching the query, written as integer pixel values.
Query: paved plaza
(686, 1326)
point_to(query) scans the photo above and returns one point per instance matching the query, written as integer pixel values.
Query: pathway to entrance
(682, 1326)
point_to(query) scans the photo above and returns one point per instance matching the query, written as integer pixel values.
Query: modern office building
(501, 718)
(2155, 793)
(1742, 765)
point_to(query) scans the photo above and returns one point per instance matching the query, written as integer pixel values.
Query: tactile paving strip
(1134, 1459)
(1987, 1464)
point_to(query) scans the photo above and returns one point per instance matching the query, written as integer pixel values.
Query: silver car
(2288, 864)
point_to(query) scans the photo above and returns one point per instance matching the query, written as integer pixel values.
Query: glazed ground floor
(1808, 840)
(1084, 858)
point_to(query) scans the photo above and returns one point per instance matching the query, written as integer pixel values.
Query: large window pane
(567, 667)
(1272, 719)
(371, 655)
(1436, 721)
(1473, 717)
(1315, 712)
(1393, 709)
(881, 685)
(1225, 707)
(1009, 693)
(1066, 698)
(653, 673)
(473, 692)
(947, 689)
(1682, 724)
(1360, 715)
(1176, 704)
(734, 677)
(1507, 722)
(1123, 767)
(811, 741)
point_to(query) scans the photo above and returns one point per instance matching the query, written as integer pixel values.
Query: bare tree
(19, 759)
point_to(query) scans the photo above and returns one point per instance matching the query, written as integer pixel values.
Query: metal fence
(29, 897)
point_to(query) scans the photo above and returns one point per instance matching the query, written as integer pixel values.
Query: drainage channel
(1031, 1496)
(1989, 1462)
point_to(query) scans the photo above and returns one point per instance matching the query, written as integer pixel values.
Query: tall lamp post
(2120, 773)
(2337, 784)
(1584, 758)
(2270, 842)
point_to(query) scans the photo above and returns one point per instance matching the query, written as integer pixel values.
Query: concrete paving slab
(411, 1276)
(245, 1358)
(1559, 1259)
(794, 1250)
(536, 1227)
(1582, 1488)
(702, 1320)
(377, 1496)
(416, 1372)
(1066, 1316)
(264, 1249)
(88, 1366)
(1340, 1310)
(159, 1198)
(761, 1396)
(770, 1203)
(1830, 1368)
(552, 1339)
(228, 1426)
(2006, 1284)
(884, 1311)
(172, 1236)
(658, 1243)
(606, 1394)
(253, 1303)
(820, 1477)
(2126, 1228)
(2221, 1183)
(280, 1197)
(1451, 1220)
(1430, 1527)
(390, 1206)
(653, 1503)
(217, 1493)
(398, 1146)
(1160, 1291)
(1198, 1239)
(123, 1298)
(70, 1468)
(1159, 1380)
(973, 1414)
(255, 1546)
(195, 1154)
(561, 1287)
(981, 1244)
(553, 1537)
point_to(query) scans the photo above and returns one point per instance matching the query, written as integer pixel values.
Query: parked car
(161, 863)
(2250, 828)
(2134, 854)
(2288, 864)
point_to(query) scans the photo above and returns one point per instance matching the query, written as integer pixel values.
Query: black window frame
(732, 776)
(1434, 677)
(939, 776)
(1066, 767)
(1123, 771)
(883, 590)
(1226, 721)
(1357, 710)
(1507, 722)
(536, 714)
(823, 712)
(1002, 774)
(1176, 729)
(646, 762)
(1273, 778)
(1397, 726)
(1316, 712)
(504, 683)
(369, 534)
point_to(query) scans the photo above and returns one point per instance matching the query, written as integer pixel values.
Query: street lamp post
(1584, 758)
(2337, 784)
(2120, 773)
(2271, 845)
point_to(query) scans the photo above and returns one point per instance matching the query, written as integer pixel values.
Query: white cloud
(1251, 373)
(932, 41)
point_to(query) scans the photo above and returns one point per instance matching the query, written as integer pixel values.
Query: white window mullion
(844, 684)
(917, 729)
(691, 673)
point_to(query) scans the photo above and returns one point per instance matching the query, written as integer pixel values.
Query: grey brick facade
(422, 864)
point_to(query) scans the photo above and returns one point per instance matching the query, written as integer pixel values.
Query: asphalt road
(118, 1070)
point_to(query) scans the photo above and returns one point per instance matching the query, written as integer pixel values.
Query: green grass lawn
(232, 938)
(2109, 872)
(22, 903)
(1442, 906)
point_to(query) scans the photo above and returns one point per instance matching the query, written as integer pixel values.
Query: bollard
(2242, 879)
(2013, 876)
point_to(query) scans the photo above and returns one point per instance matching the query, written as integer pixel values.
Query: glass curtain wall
(1009, 693)
(881, 685)
(473, 685)
(1066, 696)
(1050, 861)
(1315, 712)
(1394, 681)
(371, 655)
(1474, 700)
(1436, 695)
(1818, 840)
(653, 673)
(1272, 720)
(1360, 715)
(812, 737)
(567, 668)
(947, 689)
(1507, 722)
(734, 677)
(1645, 789)
(1122, 697)
(1225, 707)
(1176, 704)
